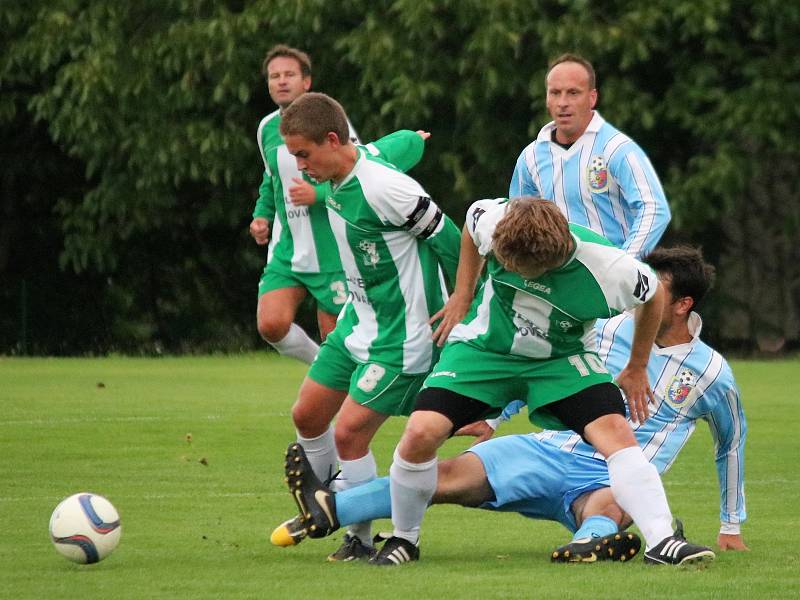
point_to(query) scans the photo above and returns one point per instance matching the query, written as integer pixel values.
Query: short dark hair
(690, 275)
(313, 116)
(283, 50)
(574, 58)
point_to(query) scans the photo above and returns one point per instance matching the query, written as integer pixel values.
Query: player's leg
(312, 414)
(599, 504)
(330, 292)
(355, 428)
(275, 315)
(447, 404)
(597, 413)
(326, 323)
(600, 535)
(377, 391)
(462, 480)
(319, 399)
(413, 474)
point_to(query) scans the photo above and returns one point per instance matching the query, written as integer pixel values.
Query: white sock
(297, 344)
(412, 486)
(321, 453)
(637, 488)
(354, 473)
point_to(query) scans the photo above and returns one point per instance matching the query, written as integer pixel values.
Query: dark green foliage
(130, 166)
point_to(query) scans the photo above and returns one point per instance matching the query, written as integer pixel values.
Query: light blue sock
(365, 502)
(595, 526)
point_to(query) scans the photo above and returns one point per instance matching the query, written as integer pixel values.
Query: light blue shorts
(536, 479)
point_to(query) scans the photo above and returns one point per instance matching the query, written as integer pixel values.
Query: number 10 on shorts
(586, 362)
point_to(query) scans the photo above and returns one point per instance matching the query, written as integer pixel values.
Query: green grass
(194, 530)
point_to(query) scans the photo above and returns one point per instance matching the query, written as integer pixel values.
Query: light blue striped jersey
(604, 181)
(691, 381)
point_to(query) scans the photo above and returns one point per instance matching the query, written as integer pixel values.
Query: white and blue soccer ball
(85, 528)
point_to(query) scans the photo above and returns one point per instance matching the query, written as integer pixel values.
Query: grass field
(195, 528)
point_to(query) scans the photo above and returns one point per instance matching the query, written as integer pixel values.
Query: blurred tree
(131, 167)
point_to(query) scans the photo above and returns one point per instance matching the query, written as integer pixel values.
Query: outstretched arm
(728, 427)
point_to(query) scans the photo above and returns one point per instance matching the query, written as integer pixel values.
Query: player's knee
(610, 433)
(273, 328)
(309, 422)
(351, 443)
(421, 438)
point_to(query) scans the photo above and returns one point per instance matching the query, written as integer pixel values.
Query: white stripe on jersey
(260, 129)
(733, 467)
(559, 194)
(592, 214)
(618, 206)
(366, 330)
(417, 349)
(276, 229)
(480, 324)
(304, 252)
(648, 215)
(533, 168)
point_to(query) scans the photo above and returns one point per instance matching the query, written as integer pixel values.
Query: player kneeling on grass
(529, 333)
(554, 475)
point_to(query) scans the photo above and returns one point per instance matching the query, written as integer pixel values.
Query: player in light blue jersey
(598, 176)
(556, 476)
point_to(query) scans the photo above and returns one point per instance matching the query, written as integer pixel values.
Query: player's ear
(307, 82)
(685, 305)
(593, 97)
(333, 139)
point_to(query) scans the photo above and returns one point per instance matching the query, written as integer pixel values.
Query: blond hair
(313, 116)
(533, 232)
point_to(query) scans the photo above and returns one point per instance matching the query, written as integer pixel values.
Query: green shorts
(382, 388)
(497, 379)
(328, 289)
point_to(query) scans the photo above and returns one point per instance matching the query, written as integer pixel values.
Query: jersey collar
(695, 325)
(574, 253)
(353, 171)
(593, 127)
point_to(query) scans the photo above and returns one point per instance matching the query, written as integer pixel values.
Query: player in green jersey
(290, 215)
(396, 248)
(529, 333)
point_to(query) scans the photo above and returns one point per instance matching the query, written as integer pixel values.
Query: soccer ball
(85, 528)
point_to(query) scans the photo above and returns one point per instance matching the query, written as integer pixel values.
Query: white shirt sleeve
(481, 220)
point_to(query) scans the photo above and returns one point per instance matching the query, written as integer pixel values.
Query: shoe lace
(679, 530)
(331, 477)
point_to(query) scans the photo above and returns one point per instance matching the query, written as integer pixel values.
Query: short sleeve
(481, 220)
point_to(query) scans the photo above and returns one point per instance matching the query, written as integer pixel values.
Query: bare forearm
(470, 264)
(648, 320)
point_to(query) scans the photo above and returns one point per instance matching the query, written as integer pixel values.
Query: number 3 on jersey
(371, 378)
(581, 362)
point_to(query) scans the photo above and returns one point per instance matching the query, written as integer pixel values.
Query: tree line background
(130, 168)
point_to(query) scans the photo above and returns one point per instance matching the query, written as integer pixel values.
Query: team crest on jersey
(680, 387)
(370, 256)
(564, 325)
(598, 174)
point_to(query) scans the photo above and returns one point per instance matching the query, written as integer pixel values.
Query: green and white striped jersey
(300, 236)
(395, 245)
(553, 315)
